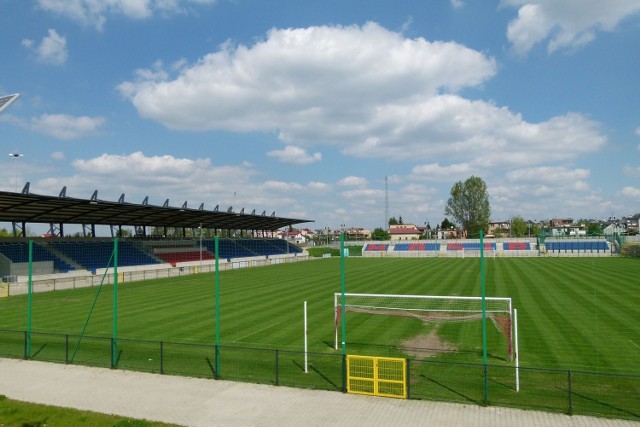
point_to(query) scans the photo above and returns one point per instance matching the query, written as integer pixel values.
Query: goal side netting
(429, 308)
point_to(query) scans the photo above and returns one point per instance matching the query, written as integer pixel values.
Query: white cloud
(370, 91)
(319, 186)
(167, 174)
(66, 127)
(548, 175)
(353, 181)
(281, 186)
(51, 50)
(566, 24)
(630, 192)
(631, 171)
(295, 155)
(297, 77)
(436, 172)
(457, 4)
(95, 12)
(58, 155)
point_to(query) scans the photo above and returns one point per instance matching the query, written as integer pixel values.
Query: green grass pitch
(574, 313)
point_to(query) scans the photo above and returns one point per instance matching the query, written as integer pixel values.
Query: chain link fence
(563, 391)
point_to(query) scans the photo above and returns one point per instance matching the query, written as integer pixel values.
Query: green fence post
(484, 320)
(26, 333)
(27, 348)
(277, 373)
(344, 373)
(114, 343)
(112, 353)
(343, 316)
(161, 357)
(408, 378)
(570, 393)
(217, 292)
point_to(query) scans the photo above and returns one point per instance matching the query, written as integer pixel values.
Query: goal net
(428, 308)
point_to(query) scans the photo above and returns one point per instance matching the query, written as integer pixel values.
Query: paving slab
(206, 402)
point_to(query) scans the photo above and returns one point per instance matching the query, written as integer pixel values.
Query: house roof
(404, 230)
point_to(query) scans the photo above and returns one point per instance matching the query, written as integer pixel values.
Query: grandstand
(54, 258)
(511, 247)
(58, 260)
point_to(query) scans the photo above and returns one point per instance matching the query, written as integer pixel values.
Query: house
(404, 232)
(498, 227)
(357, 234)
(561, 222)
(561, 227)
(632, 223)
(294, 236)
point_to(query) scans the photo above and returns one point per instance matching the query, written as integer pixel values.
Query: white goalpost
(429, 308)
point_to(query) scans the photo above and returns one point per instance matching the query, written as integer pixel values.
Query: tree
(469, 205)
(446, 224)
(393, 221)
(519, 226)
(379, 234)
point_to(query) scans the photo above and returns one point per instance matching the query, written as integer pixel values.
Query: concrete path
(202, 402)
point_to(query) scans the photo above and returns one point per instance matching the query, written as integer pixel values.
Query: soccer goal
(428, 308)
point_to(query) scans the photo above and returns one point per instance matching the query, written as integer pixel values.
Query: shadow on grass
(613, 408)
(451, 390)
(38, 351)
(320, 374)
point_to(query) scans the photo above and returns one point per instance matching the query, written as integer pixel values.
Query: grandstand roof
(32, 208)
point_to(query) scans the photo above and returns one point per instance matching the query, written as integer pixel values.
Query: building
(404, 232)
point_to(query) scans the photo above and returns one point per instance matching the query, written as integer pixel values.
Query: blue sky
(303, 108)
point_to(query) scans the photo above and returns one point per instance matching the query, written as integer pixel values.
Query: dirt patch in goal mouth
(429, 345)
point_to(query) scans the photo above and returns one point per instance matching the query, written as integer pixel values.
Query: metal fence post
(486, 384)
(112, 353)
(66, 349)
(216, 356)
(277, 373)
(344, 373)
(161, 357)
(570, 393)
(26, 335)
(408, 378)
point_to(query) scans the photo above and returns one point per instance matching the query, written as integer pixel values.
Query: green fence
(563, 391)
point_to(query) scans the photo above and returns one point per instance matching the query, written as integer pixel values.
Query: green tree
(519, 226)
(592, 228)
(469, 205)
(446, 224)
(393, 221)
(380, 234)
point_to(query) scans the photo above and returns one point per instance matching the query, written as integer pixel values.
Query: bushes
(630, 250)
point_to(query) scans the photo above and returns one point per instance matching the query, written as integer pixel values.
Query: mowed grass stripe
(535, 340)
(565, 323)
(587, 319)
(558, 301)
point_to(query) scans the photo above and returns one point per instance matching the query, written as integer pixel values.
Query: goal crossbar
(428, 308)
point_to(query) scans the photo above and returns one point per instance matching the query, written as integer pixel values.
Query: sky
(337, 112)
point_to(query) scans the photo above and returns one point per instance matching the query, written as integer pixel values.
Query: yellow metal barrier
(377, 376)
